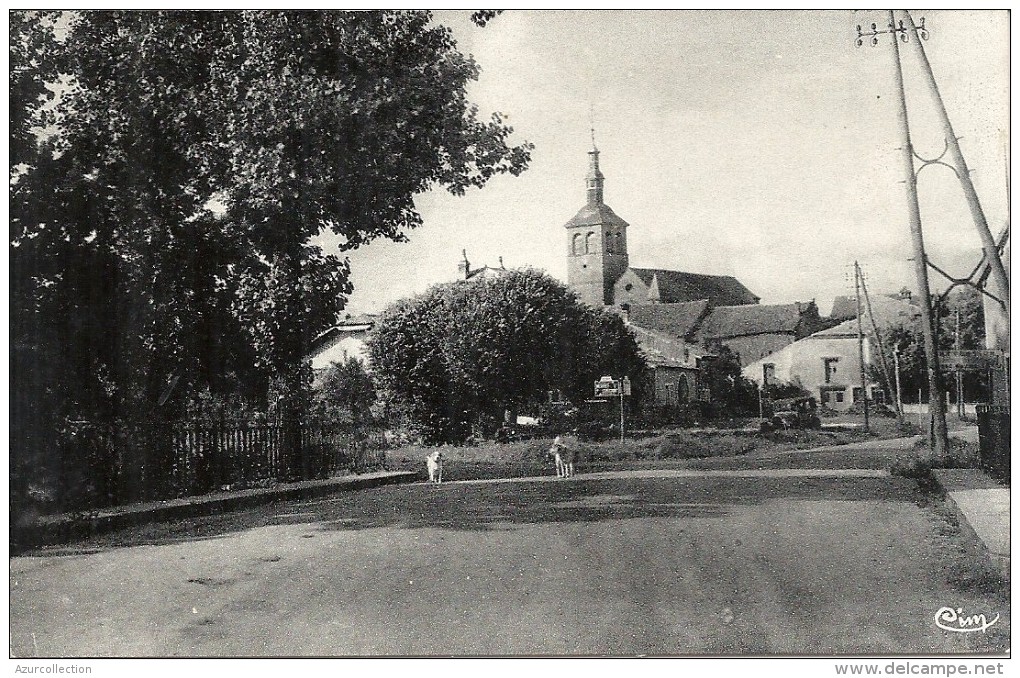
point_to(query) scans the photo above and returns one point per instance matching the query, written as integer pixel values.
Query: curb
(63, 528)
(974, 480)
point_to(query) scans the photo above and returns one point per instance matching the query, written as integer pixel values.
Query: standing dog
(564, 457)
(434, 462)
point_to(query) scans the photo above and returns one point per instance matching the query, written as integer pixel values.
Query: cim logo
(953, 619)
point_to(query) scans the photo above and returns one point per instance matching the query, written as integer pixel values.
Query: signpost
(976, 360)
(608, 387)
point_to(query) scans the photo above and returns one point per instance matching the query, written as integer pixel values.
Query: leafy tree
(462, 354)
(907, 340)
(162, 225)
(730, 392)
(345, 392)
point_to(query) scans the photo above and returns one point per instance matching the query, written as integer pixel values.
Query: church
(679, 318)
(598, 267)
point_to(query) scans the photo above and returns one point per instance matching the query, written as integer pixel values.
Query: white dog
(435, 464)
(564, 457)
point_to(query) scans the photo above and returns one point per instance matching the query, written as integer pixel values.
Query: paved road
(716, 563)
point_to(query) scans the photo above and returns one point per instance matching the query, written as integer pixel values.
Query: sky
(762, 145)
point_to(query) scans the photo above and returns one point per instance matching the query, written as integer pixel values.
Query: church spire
(595, 179)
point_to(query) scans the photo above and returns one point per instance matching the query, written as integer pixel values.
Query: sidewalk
(984, 505)
(64, 527)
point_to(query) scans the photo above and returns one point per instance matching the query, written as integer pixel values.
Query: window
(683, 390)
(830, 368)
(609, 243)
(589, 243)
(768, 373)
(839, 396)
(578, 246)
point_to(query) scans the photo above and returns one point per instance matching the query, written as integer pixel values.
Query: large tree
(462, 354)
(163, 219)
(905, 339)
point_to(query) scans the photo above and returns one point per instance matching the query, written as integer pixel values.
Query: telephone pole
(860, 344)
(899, 397)
(959, 373)
(959, 167)
(936, 406)
(881, 347)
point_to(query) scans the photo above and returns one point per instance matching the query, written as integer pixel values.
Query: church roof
(595, 215)
(740, 321)
(678, 320)
(678, 286)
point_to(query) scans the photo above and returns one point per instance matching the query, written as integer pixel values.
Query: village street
(760, 557)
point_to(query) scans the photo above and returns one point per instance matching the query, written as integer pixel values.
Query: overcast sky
(761, 145)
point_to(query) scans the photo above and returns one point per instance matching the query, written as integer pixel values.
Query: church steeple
(595, 179)
(596, 242)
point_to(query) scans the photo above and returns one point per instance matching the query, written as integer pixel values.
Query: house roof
(486, 272)
(661, 349)
(594, 215)
(678, 286)
(888, 312)
(678, 320)
(843, 307)
(350, 325)
(749, 319)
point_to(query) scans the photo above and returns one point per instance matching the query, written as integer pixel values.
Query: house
(346, 339)
(827, 363)
(465, 272)
(753, 332)
(673, 366)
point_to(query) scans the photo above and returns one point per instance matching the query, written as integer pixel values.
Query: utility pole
(959, 372)
(881, 347)
(997, 270)
(860, 344)
(896, 363)
(939, 438)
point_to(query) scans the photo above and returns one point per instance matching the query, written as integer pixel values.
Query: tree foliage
(729, 391)
(461, 355)
(194, 156)
(906, 339)
(164, 203)
(345, 393)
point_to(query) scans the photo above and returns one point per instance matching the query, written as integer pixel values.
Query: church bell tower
(596, 242)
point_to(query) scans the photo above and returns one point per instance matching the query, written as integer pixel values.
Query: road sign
(607, 386)
(976, 360)
(626, 386)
